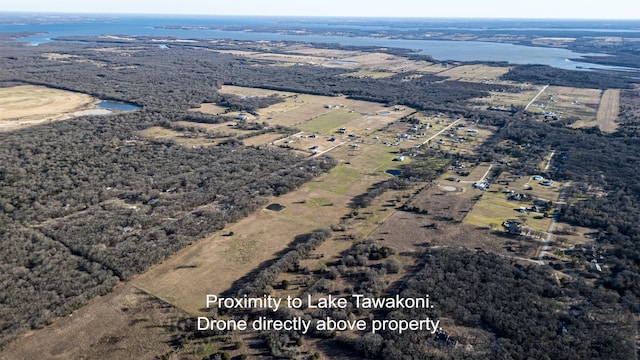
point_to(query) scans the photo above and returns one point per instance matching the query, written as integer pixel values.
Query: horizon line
(53, 12)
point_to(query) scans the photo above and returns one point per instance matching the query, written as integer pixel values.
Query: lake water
(120, 106)
(438, 49)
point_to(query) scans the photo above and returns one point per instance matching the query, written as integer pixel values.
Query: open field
(212, 109)
(369, 74)
(279, 58)
(225, 127)
(222, 132)
(295, 110)
(567, 102)
(494, 208)
(329, 123)
(185, 139)
(560, 42)
(248, 91)
(213, 264)
(125, 323)
(475, 73)
(29, 105)
(306, 111)
(261, 139)
(506, 99)
(608, 110)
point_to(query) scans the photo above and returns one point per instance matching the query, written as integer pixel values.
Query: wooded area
(88, 202)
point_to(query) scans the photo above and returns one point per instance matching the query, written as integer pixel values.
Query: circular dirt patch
(450, 188)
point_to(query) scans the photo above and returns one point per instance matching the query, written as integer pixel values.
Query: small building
(512, 226)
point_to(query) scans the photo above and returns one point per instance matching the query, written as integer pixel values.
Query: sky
(537, 9)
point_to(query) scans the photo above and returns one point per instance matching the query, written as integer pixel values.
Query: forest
(88, 202)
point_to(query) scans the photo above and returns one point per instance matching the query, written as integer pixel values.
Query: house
(546, 183)
(399, 158)
(443, 338)
(512, 226)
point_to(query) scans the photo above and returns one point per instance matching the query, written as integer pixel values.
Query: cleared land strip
(608, 110)
(547, 242)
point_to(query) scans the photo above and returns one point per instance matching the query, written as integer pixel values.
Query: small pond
(119, 106)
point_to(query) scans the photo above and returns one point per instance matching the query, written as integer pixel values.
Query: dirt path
(608, 110)
(547, 242)
(535, 97)
(441, 131)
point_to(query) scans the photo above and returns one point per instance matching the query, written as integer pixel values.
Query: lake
(119, 106)
(438, 49)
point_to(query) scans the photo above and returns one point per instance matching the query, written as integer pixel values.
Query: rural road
(326, 151)
(535, 97)
(553, 152)
(441, 131)
(547, 241)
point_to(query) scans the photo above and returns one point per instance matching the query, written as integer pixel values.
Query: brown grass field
(214, 263)
(248, 91)
(475, 73)
(212, 109)
(134, 320)
(124, 324)
(506, 99)
(608, 110)
(261, 139)
(27, 105)
(569, 102)
(279, 58)
(160, 133)
(303, 110)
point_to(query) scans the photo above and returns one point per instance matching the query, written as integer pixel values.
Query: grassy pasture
(261, 139)
(185, 139)
(329, 123)
(211, 265)
(474, 73)
(369, 74)
(567, 101)
(249, 91)
(28, 105)
(608, 110)
(296, 109)
(124, 324)
(212, 109)
(494, 208)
